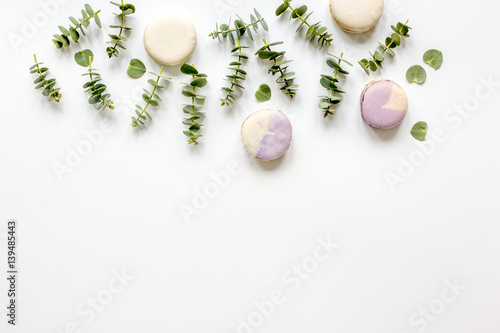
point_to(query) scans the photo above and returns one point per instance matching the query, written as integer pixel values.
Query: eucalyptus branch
(314, 30)
(151, 99)
(235, 35)
(330, 84)
(240, 27)
(94, 85)
(49, 86)
(238, 76)
(400, 30)
(117, 40)
(63, 40)
(199, 80)
(286, 78)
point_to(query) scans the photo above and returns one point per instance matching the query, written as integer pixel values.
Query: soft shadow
(268, 165)
(384, 135)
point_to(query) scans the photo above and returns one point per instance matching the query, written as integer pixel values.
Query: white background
(119, 208)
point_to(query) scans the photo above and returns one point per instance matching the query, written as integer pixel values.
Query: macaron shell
(384, 104)
(170, 38)
(357, 16)
(267, 134)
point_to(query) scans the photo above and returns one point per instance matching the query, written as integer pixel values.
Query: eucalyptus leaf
(136, 69)
(416, 74)
(84, 57)
(434, 58)
(263, 94)
(419, 130)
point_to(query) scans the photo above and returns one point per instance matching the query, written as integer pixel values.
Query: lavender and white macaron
(267, 134)
(384, 104)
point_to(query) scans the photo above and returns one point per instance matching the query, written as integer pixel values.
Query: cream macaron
(357, 16)
(170, 38)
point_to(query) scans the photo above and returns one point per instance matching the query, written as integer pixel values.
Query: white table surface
(398, 248)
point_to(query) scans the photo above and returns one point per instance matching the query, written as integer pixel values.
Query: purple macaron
(267, 134)
(384, 104)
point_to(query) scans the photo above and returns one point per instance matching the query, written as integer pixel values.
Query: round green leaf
(433, 58)
(263, 94)
(419, 130)
(84, 57)
(136, 69)
(416, 74)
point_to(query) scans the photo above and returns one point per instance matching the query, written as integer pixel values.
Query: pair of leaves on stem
(279, 67)
(49, 85)
(314, 30)
(192, 110)
(151, 98)
(94, 85)
(118, 40)
(417, 74)
(64, 39)
(330, 83)
(224, 31)
(377, 58)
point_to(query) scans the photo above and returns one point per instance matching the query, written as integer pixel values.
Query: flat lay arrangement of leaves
(279, 67)
(94, 85)
(234, 31)
(377, 58)
(118, 40)
(48, 85)
(419, 130)
(224, 31)
(263, 93)
(330, 83)
(83, 23)
(150, 98)
(315, 30)
(198, 80)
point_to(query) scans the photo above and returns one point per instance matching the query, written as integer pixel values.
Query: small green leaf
(433, 58)
(263, 94)
(188, 70)
(419, 130)
(282, 8)
(136, 69)
(416, 74)
(200, 83)
(82, 57)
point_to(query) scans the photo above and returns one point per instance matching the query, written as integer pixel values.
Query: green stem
(237, 67)
(152, 94)
(302, 19)
(88, 18)
(280, 69)
(392, 41)
(121, 27)
(214, 34)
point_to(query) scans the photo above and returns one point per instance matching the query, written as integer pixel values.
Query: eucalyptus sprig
(235, 35)
(400, 31)
(225, 30)
(48, 85)
(330, 83)
(195, 116)
(314, 30)
(285, 78)
(151, 99)
(118, 40)
(97, 89)
(63, 40)
(235, 79)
